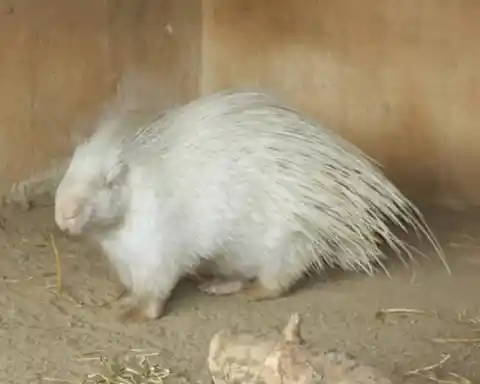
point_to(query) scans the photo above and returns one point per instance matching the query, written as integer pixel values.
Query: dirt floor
(48, 337)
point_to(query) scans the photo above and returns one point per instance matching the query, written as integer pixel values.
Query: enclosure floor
(48, 337)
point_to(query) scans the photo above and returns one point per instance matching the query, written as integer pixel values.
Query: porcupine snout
(71, 212)
(68, 217)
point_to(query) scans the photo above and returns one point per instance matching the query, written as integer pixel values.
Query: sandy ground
(46, 337)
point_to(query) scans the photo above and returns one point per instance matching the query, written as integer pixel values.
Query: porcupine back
(258, 155)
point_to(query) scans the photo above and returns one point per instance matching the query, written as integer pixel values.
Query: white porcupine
(235, 178)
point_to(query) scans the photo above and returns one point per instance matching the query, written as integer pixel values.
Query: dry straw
(133, 370)
(57, 263)
(430, 372)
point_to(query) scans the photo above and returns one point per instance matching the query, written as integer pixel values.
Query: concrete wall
(400, 78)
(60, 61)
(397, 77)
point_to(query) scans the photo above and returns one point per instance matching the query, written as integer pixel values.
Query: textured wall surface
(399, 78)
(60, 60)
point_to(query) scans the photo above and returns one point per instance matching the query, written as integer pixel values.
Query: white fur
(236, 175)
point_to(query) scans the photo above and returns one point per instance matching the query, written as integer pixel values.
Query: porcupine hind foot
(221, 287)
(278, 273)
(257, 290)
(252, 291)
(218, 277)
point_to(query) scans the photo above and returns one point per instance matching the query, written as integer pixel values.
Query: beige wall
(400, 78)
(397, 77)
(61, 59)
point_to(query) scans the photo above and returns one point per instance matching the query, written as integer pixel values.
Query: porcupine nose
(65, 214)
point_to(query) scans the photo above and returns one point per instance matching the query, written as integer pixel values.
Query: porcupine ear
(117, 173)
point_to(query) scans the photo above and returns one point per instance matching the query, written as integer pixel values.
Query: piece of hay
(57, 263)
(383, 313)
(250, 359)
(466, 340)
(429, 368)
(428, 373)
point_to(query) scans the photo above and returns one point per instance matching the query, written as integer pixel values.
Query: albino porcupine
(235, 179)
